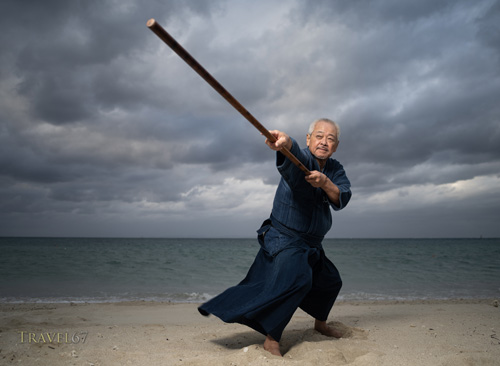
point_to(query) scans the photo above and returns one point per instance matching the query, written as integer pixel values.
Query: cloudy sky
(104, 131)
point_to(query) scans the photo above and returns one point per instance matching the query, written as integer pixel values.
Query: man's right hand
(282, 140)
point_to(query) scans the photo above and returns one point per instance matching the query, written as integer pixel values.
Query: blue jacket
(300, 206)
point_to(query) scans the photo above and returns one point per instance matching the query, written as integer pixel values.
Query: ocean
(194, 270)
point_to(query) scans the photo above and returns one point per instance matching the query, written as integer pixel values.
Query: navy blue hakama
(290, 271)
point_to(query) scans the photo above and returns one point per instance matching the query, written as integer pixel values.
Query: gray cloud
(101, 122)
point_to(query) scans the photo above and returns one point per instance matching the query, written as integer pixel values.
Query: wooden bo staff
(177, 48)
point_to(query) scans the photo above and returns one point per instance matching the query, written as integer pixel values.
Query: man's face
(323, 140)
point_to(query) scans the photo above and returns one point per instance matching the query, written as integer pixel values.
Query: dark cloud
(102, 122)
(489, 28)
(425, 89)
(359, 13)
(67, 54)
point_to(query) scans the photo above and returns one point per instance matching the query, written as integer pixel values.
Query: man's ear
(336, 146)
(308, 138)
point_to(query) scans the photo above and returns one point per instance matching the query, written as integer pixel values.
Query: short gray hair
(312, 125)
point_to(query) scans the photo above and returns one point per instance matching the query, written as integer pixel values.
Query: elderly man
(291, 270)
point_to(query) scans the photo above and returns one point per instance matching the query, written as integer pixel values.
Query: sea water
(194, 270)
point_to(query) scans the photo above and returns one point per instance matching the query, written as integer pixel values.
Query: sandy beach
(461, 332)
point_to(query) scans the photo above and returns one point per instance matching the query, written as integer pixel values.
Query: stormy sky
(104, 131)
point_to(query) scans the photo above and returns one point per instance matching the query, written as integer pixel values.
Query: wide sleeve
(339, 178)
(288, 170)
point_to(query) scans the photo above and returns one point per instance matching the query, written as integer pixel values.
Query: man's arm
(320, 180)
(282, 140)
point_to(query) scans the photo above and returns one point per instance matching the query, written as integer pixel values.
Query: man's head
(323, 138)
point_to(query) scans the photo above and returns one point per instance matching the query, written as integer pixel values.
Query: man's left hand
(316, 179)
(320, 180)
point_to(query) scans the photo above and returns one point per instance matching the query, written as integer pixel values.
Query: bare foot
(272, 346)
(324, 329)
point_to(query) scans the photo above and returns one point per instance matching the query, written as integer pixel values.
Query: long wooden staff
(177, 48)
